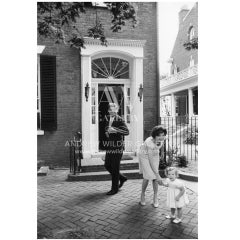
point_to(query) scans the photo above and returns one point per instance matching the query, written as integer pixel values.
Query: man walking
(115, 129)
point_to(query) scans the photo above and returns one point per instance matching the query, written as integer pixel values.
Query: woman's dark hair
(157, 130)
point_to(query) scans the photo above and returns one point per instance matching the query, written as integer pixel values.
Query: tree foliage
(191, 44)
(58, 21)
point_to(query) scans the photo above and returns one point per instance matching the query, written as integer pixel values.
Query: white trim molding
(40, 132)
(179, 86)
(188, 78)
(116, 42)
(131, 50)
(40, 49)
(126, 47)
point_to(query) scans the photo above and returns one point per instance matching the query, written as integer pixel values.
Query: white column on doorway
(190, 102)
(137, 105)
(86, 105)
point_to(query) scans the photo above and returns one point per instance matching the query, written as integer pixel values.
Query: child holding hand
(176, 194)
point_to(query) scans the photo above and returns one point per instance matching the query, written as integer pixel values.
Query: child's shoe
(142, 203)
(177, 220)
(170, 217)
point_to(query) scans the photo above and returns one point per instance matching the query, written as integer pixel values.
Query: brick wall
(180, 55)
(51, 145)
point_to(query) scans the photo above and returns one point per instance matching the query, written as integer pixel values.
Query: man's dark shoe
(122, 182)
(112, 192)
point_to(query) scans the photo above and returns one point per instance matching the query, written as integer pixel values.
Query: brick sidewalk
(82, 210)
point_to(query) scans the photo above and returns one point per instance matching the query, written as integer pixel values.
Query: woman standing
(149, 161)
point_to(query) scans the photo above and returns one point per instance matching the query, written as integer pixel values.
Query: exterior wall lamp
(140, 92)
(87, 91)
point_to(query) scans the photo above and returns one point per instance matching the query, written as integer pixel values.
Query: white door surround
(130, 50)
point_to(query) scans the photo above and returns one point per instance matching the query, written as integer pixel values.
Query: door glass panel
(108, 93)
(93, 105)
(128, 105)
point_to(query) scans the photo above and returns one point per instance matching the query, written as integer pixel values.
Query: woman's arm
(154, 167)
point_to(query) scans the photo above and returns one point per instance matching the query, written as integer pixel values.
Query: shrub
(191, 136)
(182, 161)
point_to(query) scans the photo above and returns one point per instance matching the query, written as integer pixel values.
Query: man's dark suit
(114, 145)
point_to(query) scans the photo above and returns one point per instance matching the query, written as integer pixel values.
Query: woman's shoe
(156, 205)
(142, 201)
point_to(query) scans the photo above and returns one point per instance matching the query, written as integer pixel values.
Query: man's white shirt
(111, 120)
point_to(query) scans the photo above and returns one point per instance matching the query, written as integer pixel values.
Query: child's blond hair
(169, 169)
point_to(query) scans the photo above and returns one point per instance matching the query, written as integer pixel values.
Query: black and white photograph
(113, 151)
(117, 120)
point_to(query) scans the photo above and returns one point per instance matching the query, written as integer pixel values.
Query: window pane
(93, 119)
(128, 91)
(110, 67)
(128, 109)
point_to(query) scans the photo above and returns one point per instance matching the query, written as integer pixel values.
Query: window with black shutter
(47, 104)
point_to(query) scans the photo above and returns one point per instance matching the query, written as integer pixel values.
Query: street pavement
(83, 210)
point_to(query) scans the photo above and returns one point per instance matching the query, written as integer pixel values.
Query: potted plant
(182, 161)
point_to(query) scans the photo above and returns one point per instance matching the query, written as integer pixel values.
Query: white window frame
(191, 33)
(93, 105)
(39, 51)
(38, 86)
(112, 74)
(191, 63)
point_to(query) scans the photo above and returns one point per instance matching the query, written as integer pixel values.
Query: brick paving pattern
(83, 210)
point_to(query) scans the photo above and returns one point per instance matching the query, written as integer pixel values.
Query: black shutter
(48, 93)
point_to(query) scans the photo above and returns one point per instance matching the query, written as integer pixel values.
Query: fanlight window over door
(110, 67)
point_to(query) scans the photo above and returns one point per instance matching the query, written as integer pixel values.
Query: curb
(188, 176)
(106, 177)
(41, 174)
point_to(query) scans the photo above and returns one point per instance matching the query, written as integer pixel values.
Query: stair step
(125, 165)
(126, 155)
(100, 168)
(103, 175)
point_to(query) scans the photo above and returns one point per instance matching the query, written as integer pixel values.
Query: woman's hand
(160, 182)
(177, 198)
(159, 179)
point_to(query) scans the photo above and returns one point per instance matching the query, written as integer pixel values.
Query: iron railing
(182, 139)
(75, 153)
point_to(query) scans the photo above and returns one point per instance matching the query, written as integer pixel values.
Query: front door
(182, 109)
(108, 93)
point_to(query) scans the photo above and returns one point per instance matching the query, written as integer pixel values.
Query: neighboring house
(75, 88)
(180, 88)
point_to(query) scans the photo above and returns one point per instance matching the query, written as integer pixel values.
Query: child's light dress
(172, 191)
(148, 156)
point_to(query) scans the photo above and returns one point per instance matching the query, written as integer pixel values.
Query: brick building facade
(188, 19)
(179, 91)
(73, 70)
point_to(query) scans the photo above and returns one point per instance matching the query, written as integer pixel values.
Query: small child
(176, 194)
